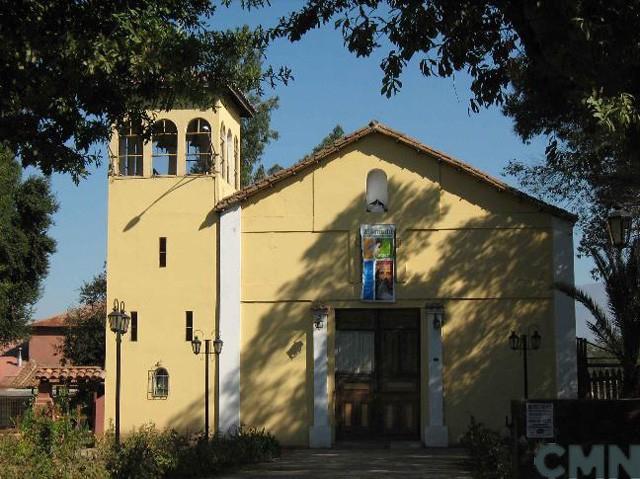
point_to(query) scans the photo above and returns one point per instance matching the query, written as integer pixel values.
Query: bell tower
(185, 142)
(163, 255)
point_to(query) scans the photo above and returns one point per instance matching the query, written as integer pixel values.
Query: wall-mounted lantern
(320, 314)
(437, 310)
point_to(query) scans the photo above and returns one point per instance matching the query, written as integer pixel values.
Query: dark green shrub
(151, 454)
(53, 445)
(490, 453)
(145, 453)
(243, 446)
(249, 445)
(49, 445)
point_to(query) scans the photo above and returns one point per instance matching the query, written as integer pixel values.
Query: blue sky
(331, 87)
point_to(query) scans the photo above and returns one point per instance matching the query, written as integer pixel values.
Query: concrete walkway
(362, 463)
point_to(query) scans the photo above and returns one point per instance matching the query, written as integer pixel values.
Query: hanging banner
(378, 244)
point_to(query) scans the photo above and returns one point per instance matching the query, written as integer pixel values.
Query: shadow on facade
(491, 274)
(183, 181)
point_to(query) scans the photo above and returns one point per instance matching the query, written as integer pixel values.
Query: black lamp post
(119, 324)
(619, 226)
(196, 345)
(524, 343)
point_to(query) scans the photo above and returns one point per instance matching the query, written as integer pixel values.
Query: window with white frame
(198, 139)
(130, 150)
(164, 148)
(236, 159)
(223, 150)
(230, 157)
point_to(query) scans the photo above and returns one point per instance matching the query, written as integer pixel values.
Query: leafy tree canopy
(565, 69)
(335, 135)
(255, 134)
(69, 70)
(26, 210)
(261, 172)
(84, 341)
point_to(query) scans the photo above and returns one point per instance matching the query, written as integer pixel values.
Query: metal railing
(11, 409)
(598, 377)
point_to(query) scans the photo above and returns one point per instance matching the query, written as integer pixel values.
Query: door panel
(377, 373)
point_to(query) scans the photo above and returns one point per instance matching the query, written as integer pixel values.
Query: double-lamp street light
(196, 346)
(119, 324)
(525, 343)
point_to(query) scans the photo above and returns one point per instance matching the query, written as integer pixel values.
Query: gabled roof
(376, 127)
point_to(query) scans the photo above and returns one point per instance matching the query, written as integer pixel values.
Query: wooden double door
(377, 374)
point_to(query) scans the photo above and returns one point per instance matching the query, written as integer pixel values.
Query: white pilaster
(230, 317)
(436, 434)
(320, 431)
(564, 311)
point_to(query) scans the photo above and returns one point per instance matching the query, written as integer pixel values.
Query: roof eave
(247, 110)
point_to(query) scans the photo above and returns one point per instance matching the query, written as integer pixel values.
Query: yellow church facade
(367, 292)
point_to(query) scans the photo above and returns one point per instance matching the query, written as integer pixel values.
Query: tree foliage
(328, 140)
(84, 340)
(565, 69)
(262, 172)
(70, 70)
(619, 330)
(255, 134)
(334, 135)
(26, 210)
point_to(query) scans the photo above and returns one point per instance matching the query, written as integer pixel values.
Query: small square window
(163, 252)
(134, 326)
(188, 326)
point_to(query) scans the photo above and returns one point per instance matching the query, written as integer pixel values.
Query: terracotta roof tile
(375, 127)
(25, 378)
(31, 374)
(69, 373)
(56, 321)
